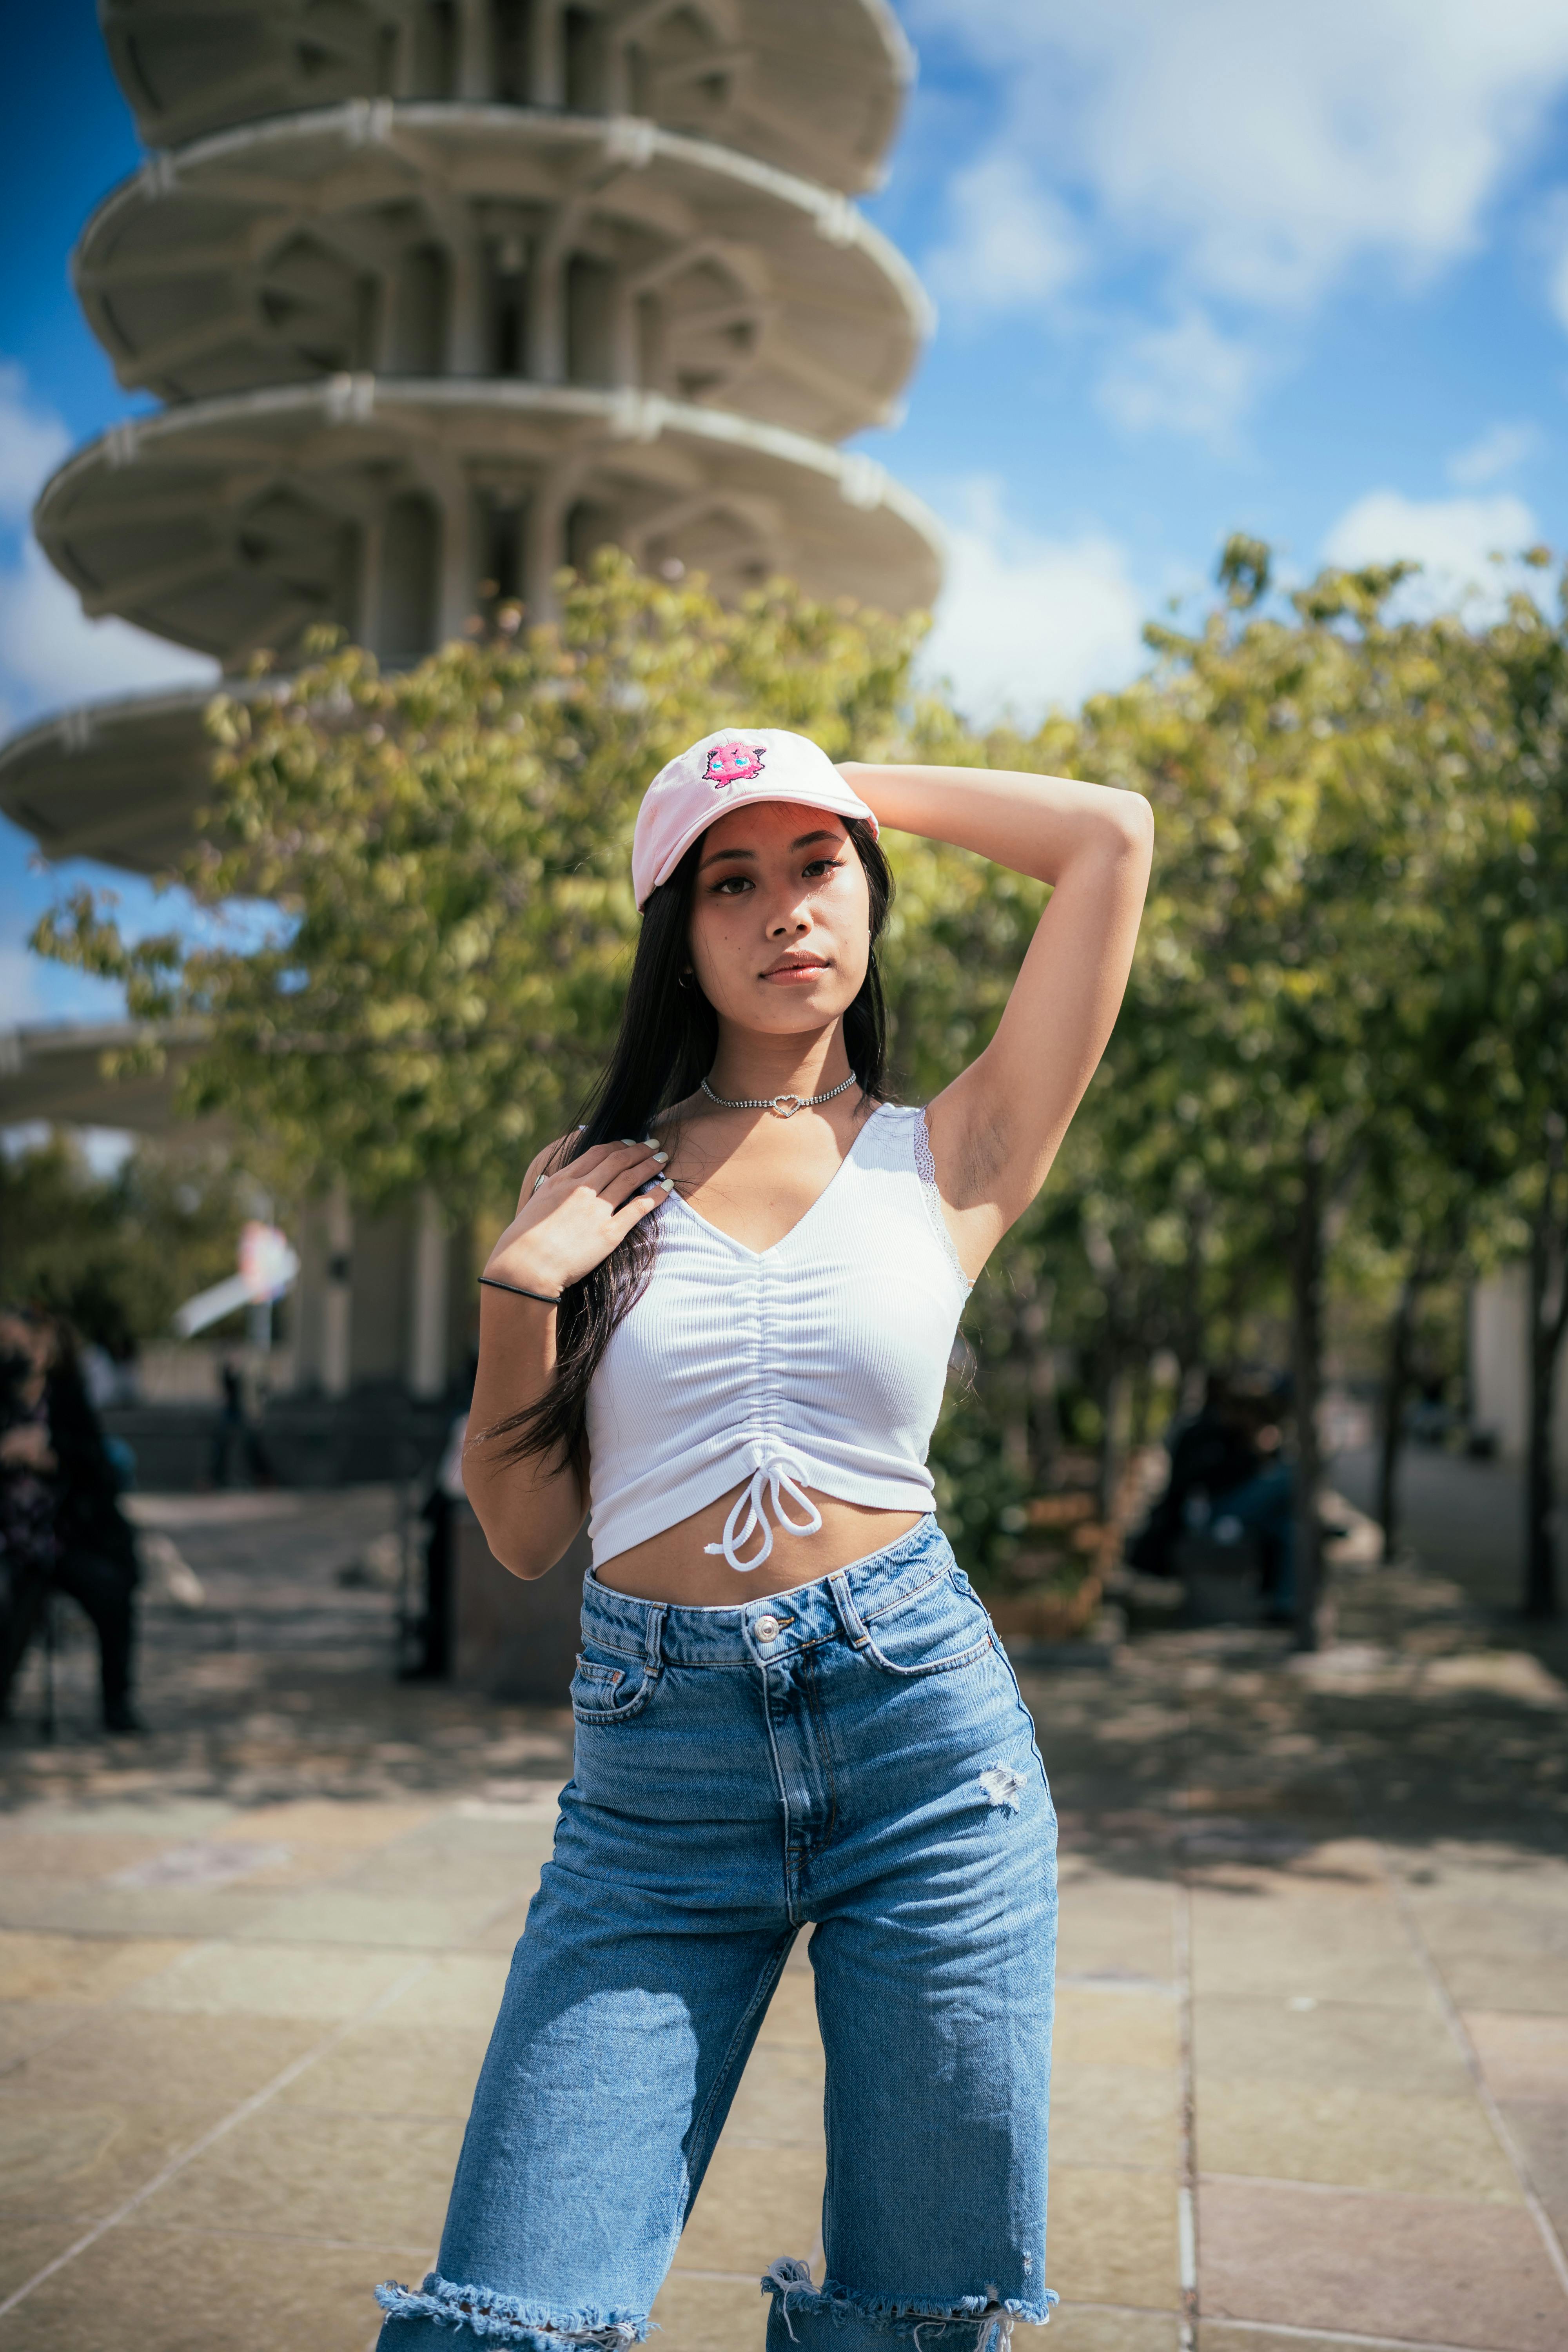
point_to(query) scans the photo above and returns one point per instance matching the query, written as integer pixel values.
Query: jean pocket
(933, 1631)
(602, 1692)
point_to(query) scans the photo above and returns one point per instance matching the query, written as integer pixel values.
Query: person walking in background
(720, 1322)
(61, 1527)
(234, 1432)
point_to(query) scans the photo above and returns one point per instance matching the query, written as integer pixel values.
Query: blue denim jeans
(853, 1753)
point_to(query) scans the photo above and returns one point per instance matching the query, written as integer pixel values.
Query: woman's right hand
(569, 1221)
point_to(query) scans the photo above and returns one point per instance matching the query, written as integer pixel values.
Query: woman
(789, 1708)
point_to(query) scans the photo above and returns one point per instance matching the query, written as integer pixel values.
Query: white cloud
(1012, 243)
(21, 989)
(1551, 239)
(1499, 450)
(1265, 149)
(32, 443)
(1024, 621)
(1188, 378)
(50, 653)
(1232, 154)
(1454, 540)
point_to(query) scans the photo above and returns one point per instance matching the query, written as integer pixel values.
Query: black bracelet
(518, 1291)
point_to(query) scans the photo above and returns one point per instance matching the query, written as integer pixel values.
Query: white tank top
(818, 1363)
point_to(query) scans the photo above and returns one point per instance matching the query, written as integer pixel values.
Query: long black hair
(669, 1036)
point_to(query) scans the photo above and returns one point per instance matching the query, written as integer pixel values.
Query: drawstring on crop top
(814, 1367)
(782, 1470)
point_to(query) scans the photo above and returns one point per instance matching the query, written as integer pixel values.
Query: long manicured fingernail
(661, 1157)
(667, 1183)
(629, 1140)
(650, 1141)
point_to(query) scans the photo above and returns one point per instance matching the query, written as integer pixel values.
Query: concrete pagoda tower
(437, 295)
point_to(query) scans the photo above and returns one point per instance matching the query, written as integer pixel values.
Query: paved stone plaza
(1313, 2021)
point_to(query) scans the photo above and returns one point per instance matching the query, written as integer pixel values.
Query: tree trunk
(1396, 1387)
(1548, 1314)
(1043, 1430)
(1108, 1400)
(1307, 1376)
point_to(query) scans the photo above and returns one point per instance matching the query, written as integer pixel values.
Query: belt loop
(848, 1616)
(656, 1617)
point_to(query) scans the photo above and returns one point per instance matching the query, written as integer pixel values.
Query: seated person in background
(61, 1492)
(1212, 1454)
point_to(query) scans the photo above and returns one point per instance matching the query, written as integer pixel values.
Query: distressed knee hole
(1001, 1786)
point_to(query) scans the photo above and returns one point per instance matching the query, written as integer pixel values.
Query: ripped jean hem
(993, 2316)
(506, 2319)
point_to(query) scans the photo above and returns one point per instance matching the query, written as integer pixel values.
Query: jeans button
(767, 1627)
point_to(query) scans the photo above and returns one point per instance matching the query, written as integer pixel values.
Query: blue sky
(1198, 268)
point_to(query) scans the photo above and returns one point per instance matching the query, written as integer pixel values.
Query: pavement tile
(411, 1921)
(167, 1819)
(1112, 2238)
(77, 1969)
(755, 2204)
(428, 2071)
(26, 2245)
(779, 2101)
(1431, 2269)
(1123, 2116)
(1337, 1948)
(792, 2012)
(80, 2162)
(1522, 2057)
(435, 1874)
(1466, 1874)
(142, 2056)
(25, 1853)
(1237, 2038)
(309, 2175)
(1539, 2130)
(325, 1820)
(1220, 2336)
(248, 2294)
(29, 2025)
(1115, 1926)
(1499, 1930)
(1355, 2138)
(1534, 1982)
(503, 1931)
(461, 1988)
(710, 2315)
(270, 1980)
(67, 1907)
(1075, 2327)
(1099, 2027)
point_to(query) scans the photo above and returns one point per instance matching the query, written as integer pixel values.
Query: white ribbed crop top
(816, 1363)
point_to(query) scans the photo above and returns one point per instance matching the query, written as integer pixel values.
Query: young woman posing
(722, 1318)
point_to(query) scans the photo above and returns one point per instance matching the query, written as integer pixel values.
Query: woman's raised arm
(997, 1128)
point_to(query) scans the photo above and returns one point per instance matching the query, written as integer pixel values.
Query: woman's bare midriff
(674, 1566)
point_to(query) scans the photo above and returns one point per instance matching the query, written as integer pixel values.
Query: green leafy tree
(1320, 777)
(116, 1254)
(447, 852)
(1514, 1069)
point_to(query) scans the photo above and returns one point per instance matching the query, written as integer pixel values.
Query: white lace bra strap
(780, 1476)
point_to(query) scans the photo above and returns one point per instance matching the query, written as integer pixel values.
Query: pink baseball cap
(725, 772)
